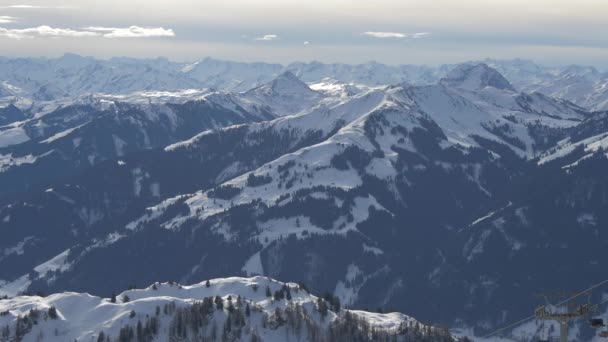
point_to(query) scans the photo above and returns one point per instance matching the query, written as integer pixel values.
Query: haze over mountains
(448, 193)
(74, 75)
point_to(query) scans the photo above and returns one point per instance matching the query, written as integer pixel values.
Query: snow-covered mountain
(230, 309)
(476, 77)
(60, 138)
(42, 79)
(284, 95)
(583, 85)
(425, 198)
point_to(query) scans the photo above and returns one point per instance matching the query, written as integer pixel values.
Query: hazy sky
(350, 31)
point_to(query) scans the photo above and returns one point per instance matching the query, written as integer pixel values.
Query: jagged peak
(476, 77)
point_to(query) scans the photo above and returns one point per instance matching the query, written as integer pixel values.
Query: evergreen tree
(219, 303)
(140, 332)
(52, 312)
(322, 307)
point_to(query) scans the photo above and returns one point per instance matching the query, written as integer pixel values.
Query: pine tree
(337, 305)
(268, 292)
(52, 312)
(126, 299)
(219, 302)
(207, 284)
(113, 298)
(322, 307)
(140, 332)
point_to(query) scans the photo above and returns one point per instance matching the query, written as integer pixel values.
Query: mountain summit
(476, 77)
(286, 84)
(285, 95)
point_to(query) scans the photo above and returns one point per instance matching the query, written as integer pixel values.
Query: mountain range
(452, 193)
(44, 79)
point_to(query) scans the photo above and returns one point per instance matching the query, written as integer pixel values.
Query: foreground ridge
(226, 309)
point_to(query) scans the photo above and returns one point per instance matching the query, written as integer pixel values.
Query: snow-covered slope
(235, 309)
(60, 138)
(476, 77)
(71, 75)
(284, 95)
(383, 195)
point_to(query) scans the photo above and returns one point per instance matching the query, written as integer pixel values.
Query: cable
(558, 304)
(509, 326)
(582, 292)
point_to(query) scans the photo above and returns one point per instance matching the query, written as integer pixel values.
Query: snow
(18, 248)
(155, 189)
(14, 287)
(479, 245)
(7, 161)
(372, 250)
(119, 145)
(285, 95)
(12, 136)
(81, 316)
(253, 266)
(63, 134)
(57, 263)
(565, 147)
(586, 219)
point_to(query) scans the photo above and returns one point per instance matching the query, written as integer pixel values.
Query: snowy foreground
(229, 309)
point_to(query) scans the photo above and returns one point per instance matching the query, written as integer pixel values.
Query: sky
(552, 32)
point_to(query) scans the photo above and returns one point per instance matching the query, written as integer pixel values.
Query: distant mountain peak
(286, 83)
(288, 76)
(476, 77)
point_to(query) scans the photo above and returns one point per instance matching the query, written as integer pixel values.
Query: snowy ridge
(476, 77)
(261, 302)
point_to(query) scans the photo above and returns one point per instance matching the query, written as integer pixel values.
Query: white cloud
(267, 37)
(132, 32)
(307, 43)
(384, 34)
(5, 19)
(420, 35)
(25, 6)
(105, 32)
(398, 35)
(44, 31)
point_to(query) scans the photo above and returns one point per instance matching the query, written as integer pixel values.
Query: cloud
(307, 43)
(267, 37)
(384, 34)
(398, 35)
(105, 32)
(132, 32)
(420, 35)
(44, 31)
(25, 6)
(5, 19)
